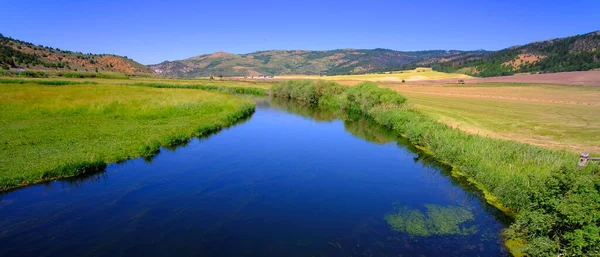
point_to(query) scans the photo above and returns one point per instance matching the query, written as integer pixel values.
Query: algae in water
(437, 220)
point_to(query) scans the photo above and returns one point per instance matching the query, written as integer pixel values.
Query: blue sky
(153, 31)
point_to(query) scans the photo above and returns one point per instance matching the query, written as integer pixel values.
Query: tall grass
(29, 74)
(46, 82)
(92, 75)
(320, 93)
(557, 207)
(223, 89)
(68, 74)
(52, 132)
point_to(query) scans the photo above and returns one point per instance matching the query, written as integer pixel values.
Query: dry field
(588, 78)
(554, 116)
(416, 75)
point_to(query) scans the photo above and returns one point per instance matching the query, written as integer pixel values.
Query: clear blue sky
(153, 31)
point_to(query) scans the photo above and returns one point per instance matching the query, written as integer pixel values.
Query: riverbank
(54, 129)
(552, 200)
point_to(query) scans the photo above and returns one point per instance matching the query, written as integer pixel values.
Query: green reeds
(46, 82)
(223, 89)
(54, 132)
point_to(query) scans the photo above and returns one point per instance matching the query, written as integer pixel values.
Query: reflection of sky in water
(279, 184)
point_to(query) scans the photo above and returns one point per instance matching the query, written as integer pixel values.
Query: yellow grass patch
(552, 116)
(418, 74)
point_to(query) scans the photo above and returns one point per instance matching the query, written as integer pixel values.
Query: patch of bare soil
(524, 58)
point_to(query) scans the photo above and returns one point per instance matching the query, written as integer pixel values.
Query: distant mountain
(581, 52)
(279, 62)
(24, 55)
(576, 53)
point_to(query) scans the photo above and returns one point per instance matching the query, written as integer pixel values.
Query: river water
(288, 181)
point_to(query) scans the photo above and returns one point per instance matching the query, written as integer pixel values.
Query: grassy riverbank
(57, 129)
(206, 87)
(557, 206)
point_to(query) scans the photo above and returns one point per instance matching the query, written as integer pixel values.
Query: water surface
(289, 181)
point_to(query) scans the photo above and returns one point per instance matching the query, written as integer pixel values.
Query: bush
(365, 96)
(34, 74)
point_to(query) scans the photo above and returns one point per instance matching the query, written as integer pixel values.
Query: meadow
(555, 206)
(418, 74)
(553, 116)
(548, 115)
(465, 126)
(51, 129)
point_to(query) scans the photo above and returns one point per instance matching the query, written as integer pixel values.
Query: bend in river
(290, 181)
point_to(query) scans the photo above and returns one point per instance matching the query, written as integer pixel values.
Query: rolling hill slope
(16, 54)
(281, 62)
(576, 53)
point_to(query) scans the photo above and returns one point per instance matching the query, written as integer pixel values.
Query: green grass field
(396, 76)
(50, 131)
(153, 80)
(553, 116)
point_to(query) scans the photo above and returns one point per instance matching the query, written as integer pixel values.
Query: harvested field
(588, 78)
(553, 116)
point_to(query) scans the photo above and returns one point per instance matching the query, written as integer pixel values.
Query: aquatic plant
(438, 220)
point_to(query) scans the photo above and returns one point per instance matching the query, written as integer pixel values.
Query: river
(288, 181)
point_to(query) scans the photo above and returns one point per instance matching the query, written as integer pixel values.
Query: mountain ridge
(575, 53)
(311, 62)
(17, 54)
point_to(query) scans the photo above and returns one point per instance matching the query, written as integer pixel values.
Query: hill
(576, 53)
(282, 62)
(16, 54)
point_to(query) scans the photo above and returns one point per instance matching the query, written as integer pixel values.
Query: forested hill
(279, 62)
(577, 53)
(16, 54)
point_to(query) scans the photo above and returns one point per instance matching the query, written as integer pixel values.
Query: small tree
(403, 81)
(220, 77)
(5, 66)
